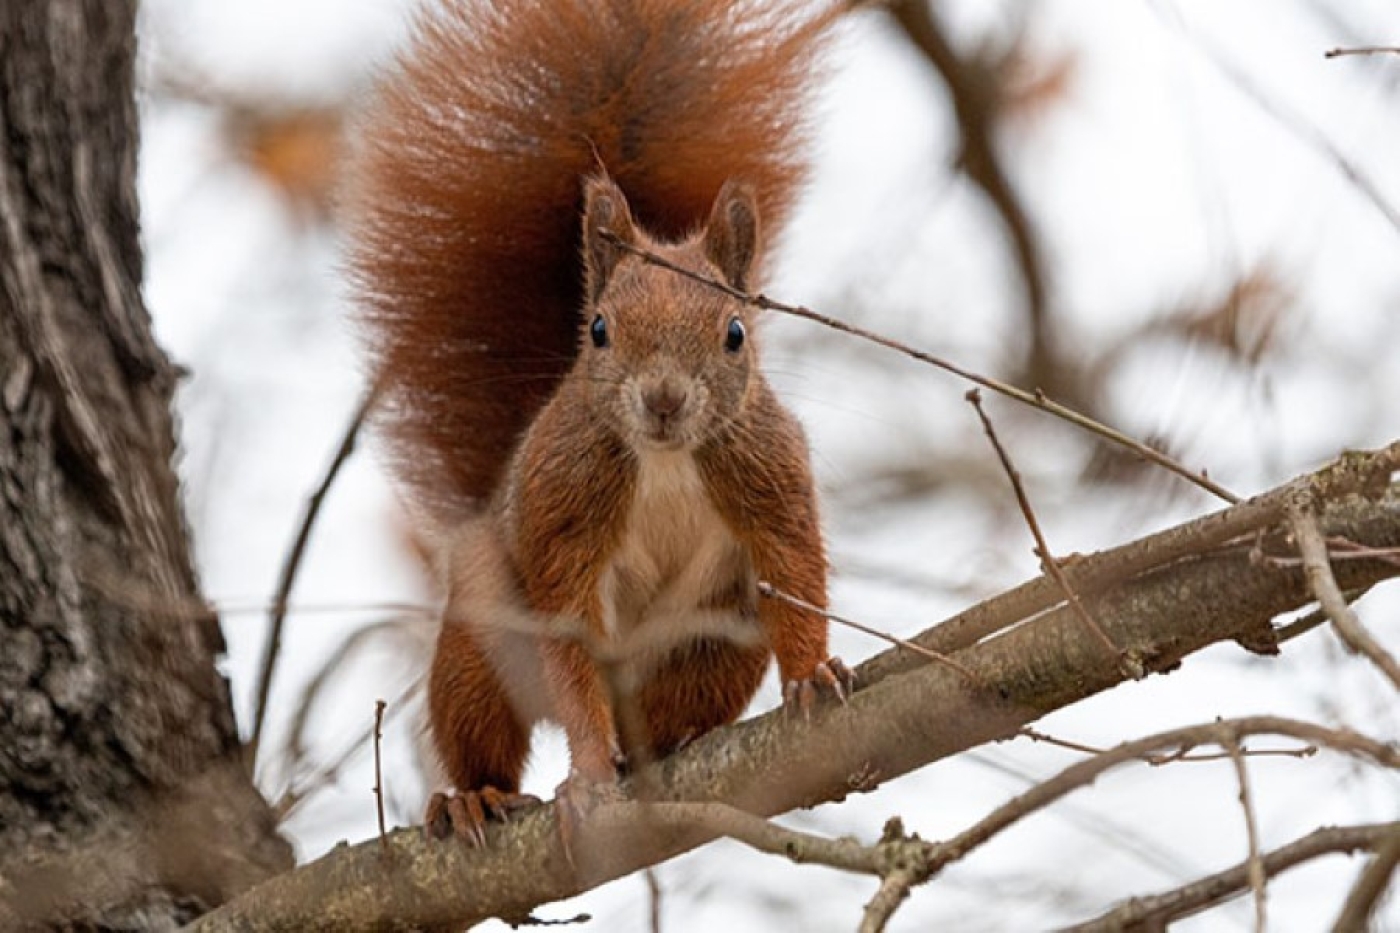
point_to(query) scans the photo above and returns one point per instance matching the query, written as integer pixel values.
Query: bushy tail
(464, 194)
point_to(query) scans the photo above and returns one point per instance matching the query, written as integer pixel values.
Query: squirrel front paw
(464, 814)
(831, 677)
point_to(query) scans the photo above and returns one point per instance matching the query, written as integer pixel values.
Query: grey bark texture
(124, 802)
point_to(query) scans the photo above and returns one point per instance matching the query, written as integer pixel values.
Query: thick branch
(908, 713)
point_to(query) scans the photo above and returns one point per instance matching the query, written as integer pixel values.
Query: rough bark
(1174, 594)
(123, 800)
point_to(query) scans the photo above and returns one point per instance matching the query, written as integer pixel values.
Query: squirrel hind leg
(480, 738)
(700, 686)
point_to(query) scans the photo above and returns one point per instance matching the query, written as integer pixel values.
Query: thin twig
(378, 776)
(1085, 772)
(1345, 549)
(975, 90)
(893, 891)
(292, 565)
(653, 899)
(1257, 875)
(294, 749)
(1048, 562)
(1363, 50)
(533, 921)
(1384, 555)
(722, 819)
(1306, 751)
(1035, 735)
(1367, 891)
(1313, 549)
(308, 609)
(1156, 911)
(770, 591)
(1306, 623)
(1295, 123)
(1034, 399)
(297, 793)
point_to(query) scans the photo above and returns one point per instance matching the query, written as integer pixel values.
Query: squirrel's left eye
(734, 336)
(598, 331)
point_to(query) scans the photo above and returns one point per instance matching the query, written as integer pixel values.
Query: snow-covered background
(1189, 147)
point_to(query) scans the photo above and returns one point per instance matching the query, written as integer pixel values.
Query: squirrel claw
(465, 814)
(832, 676)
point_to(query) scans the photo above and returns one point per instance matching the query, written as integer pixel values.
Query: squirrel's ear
(731, 237)
(604, 210)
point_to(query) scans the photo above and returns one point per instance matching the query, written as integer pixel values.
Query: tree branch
(1374, 880)
(1189, 590)
(1318, 567)
(1146, 913)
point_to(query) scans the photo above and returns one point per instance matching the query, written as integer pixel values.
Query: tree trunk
(124, 801)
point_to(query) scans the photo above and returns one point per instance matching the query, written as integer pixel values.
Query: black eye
(734, 336)
(598, 330)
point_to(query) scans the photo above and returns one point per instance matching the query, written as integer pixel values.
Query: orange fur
(635, 490)
(464, 192)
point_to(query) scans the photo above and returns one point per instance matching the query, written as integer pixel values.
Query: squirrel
(612, 473)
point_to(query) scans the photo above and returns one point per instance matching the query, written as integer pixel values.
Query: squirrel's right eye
(598, 331)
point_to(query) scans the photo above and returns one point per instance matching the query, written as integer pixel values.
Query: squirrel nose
(663, 400)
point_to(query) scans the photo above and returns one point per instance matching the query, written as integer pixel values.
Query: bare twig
(893, 891)
(1337, 551)
(899, 861)
(653, 899)
(1048, 563)
(1299, 126)
(770, 591)
(1367, 891)
(1034, 399)
(1343, 549)
(976, 94)
(1083, 773)
(1313, 548)
(1156, 911)
(1306, 623)
(533, 921)
(298, 792)
(720, 819)
(260, 608)
(292, 564)
(1363, 50)
(1257, 875)
(378, 775)
(1306, 751)
(1037, 736)
(1093, 572)
(294, 749)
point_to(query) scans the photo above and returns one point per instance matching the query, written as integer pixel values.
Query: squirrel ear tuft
(604, 210)
(731, 237)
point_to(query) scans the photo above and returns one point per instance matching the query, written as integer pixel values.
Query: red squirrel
(591, 431)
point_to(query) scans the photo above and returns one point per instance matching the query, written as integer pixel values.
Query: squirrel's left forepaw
(831, 677)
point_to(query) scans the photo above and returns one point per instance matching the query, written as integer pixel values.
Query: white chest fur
(678, 571)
